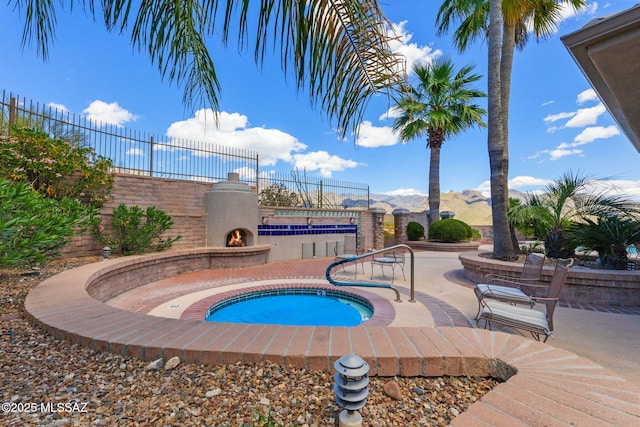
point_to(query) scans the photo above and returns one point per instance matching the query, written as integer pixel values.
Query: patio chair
(395, 258)
(507, 289)
(349, 249)
(538, 323)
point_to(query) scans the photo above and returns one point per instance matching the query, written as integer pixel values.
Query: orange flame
(235, 238)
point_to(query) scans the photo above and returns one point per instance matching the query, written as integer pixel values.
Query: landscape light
(351, 388)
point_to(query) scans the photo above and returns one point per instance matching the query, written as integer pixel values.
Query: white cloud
(587, 136)
(323, 162)
(110, 114)
(586, 116)
(413, 53)
(587, 95)
(555, 117)
(135, 152)
(590, 134)
(521, 183)
(558, 153)
(404, 192)
(371, 136)
(234, 131)
(391, 113)
(544, 104)
(58, 107)
(619, 187)
(525, 181)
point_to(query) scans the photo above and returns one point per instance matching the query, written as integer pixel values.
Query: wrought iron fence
(142, 153)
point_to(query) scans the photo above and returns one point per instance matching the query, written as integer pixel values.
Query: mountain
(469, 206)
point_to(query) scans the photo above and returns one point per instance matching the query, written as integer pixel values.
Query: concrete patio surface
(577, 378)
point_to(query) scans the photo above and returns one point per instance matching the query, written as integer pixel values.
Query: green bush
(133, 234)
(415, 231)
(55, 167)
(448, 230)
(33, 228)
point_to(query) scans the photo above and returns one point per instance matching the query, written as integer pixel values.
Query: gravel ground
(47, 382)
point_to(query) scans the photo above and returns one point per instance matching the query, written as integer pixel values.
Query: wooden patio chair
(507, 289)
(538, 323)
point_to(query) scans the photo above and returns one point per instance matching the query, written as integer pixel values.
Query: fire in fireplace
(237, 238)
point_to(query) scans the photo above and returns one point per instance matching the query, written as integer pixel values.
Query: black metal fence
(141, 153)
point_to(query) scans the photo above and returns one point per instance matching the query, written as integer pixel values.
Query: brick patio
(544, 385)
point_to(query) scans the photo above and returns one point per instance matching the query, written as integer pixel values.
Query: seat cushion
(503, 293)
(515, 316)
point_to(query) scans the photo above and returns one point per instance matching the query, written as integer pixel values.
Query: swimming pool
(293, 306)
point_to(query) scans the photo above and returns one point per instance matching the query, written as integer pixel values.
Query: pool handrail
(373, 285)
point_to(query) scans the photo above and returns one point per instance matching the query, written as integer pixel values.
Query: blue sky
(557, 123)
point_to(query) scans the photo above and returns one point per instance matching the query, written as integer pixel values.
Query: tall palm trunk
(435, 144)
(498, 153)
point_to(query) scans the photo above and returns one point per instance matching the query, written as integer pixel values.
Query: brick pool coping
(543, 385)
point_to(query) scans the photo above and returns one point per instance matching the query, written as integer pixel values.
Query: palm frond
(337, 50)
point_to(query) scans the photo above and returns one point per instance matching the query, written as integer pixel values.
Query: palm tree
(336, 49)
(438, 106)
(481, 18)
(609, 236)
(569, 201)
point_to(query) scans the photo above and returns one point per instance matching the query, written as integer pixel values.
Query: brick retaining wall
(607, 288)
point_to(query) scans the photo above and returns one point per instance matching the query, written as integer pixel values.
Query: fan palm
(439, 106)
(515, 18)
(568, 201)
(335, 49)
(609, 236)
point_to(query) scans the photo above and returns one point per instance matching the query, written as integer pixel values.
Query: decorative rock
(171, 363)
(213, 393)
(454, 412)
(417, 391)
(155, 365)
(264, 401)
(392, 389)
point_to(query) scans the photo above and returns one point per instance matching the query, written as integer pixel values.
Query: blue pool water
(301, 307)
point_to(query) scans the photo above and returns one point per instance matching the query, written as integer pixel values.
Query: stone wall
(184, 201)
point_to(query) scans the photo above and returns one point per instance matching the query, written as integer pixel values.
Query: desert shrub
(136, 231)
(415, 231)
(475, 234)
(279, 195)
(55, 167)
(467, 227)
(448, 230)
(34, 228)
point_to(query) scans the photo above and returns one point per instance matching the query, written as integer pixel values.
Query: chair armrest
(545, 299)
(517, 283)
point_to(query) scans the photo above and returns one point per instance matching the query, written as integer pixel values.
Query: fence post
(13, 105)
(258, 174)
(320, 196)
(151, 156)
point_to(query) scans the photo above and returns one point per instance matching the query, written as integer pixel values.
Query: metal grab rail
(373, 285)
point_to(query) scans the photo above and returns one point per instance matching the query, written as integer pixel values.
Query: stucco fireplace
(232, 214)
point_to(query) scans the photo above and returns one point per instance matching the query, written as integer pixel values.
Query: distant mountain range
(469, 206)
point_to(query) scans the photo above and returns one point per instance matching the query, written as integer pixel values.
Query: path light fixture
(351, 388)
(265, 220)
(309, 221)
(106, 252)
